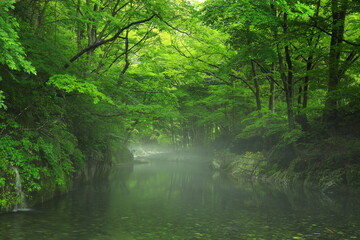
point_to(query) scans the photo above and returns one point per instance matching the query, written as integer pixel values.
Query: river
(179, 197)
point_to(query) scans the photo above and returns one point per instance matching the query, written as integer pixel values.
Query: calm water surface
(179, 197)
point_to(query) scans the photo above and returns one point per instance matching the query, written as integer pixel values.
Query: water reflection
(179, 197)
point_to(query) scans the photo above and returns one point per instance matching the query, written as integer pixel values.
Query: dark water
(179, 197)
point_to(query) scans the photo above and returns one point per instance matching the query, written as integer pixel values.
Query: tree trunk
(309, 65)
(79, 27)
(338, 9)
(91, 32)
(310, 59)
(300, 99)
(256, 85)
(272, 95)
(286, 75)
(287, 78)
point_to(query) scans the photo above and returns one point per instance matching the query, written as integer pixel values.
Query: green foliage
(292, 136)
(12, 53)
(2, 100)
(263, 123)
(70, 84)
(297, 9)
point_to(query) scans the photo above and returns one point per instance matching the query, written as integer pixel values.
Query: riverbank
(322, 174)
(25, 184)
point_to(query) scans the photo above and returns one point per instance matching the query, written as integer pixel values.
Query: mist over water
(177, 196)
(148, 150)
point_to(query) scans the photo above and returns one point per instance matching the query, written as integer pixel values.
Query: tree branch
(243, 80)
(172, 27)
(113, 38)
(330, 34)
(143, 39)
(108, 115)
(217, 67)
(353, 57)
(127, 62)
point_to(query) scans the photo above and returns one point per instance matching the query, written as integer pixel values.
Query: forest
(82, 80)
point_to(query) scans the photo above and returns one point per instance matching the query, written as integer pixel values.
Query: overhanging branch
(113, 38)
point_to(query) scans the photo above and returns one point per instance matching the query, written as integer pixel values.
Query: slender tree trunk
(338, 9)
(91, 32)
(285, 74)
(301, 117)
(272, 91)
(287, 77)
(253, 74)
(309, 66)
(310, 59)
(173, 135)
(304, 88)
(256, 86)
(79, 29)
(272, 96)
(288, 94)
(300, 95)
(127, 62)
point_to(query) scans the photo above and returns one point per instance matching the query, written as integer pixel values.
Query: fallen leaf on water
(329, 230)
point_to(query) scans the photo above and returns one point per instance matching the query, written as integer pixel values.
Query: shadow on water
(178, 197)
